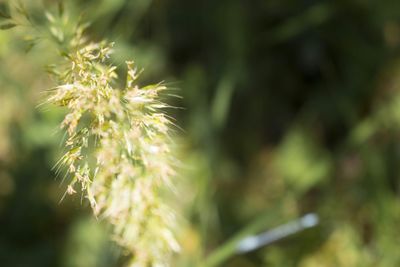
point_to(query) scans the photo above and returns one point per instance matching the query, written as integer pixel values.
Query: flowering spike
(131, 154)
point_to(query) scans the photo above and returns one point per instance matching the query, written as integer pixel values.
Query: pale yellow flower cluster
(118, 151)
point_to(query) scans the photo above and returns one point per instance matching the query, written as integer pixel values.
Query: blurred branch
(246, 240)
(254, 242)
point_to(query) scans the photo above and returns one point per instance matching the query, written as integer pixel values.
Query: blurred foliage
(288, 107)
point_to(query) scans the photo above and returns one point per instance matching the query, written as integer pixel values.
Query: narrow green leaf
(60, 8)
(7, 26)
(4, 11)
(4, 14)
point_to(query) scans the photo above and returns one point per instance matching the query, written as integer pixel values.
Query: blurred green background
(288, 107)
